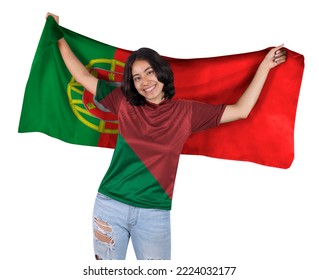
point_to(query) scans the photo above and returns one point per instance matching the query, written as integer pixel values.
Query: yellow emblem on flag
(82, 102)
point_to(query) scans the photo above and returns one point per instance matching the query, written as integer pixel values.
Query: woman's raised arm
(74, 65)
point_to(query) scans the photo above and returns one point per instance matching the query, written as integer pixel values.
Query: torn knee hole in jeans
(104, 232)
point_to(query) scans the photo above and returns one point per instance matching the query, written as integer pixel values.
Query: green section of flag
(130, 181)
(46, 105)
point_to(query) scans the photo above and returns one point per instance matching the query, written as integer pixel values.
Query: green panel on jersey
(129, 181)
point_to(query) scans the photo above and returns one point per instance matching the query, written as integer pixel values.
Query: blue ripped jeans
(114, 223)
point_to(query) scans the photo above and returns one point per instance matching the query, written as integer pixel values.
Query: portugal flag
(55, 104)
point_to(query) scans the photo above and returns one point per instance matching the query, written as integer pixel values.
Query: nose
(144, 80)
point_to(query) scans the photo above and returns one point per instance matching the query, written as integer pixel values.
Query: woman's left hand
(275, 57)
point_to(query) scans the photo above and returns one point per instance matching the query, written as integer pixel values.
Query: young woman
(134, 198)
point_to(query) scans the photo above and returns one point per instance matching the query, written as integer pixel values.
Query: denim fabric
(114, 223)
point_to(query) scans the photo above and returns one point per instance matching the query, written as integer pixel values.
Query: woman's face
(146, 83)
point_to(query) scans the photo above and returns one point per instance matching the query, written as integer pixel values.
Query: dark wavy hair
(162, 69)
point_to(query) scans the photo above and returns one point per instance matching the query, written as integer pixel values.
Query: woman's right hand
(74, 65)
(54, 16)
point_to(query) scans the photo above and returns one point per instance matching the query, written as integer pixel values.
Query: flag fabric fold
(55, 104)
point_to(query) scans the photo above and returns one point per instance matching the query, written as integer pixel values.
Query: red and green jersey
(151, 137)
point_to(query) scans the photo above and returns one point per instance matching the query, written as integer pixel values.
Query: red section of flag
(267, 136)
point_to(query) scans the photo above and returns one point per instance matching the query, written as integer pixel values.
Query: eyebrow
(150, 67)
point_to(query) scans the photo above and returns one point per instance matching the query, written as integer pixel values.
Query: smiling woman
(134, 198)
(146, 83)
(145, 68)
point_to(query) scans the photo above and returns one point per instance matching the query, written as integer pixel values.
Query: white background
(262, 220)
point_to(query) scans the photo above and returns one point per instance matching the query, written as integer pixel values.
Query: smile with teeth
(149, 89)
